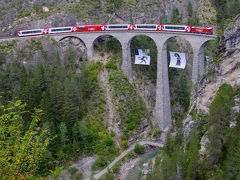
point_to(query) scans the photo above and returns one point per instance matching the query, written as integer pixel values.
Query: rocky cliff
(225, 69)
(18, 14)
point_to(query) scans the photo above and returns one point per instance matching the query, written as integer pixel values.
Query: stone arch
(106, 36)
(150, 72)
(201, 54)
(91, 43)
(76, 43)
(163, 106)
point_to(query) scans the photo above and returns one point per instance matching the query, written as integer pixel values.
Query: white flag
(209, 58)
(142, 56)
(177, 60)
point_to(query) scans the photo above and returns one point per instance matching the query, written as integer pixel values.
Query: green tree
(189, 9)
(21, 152)
(63, 133)
(218, 123)
(232, 163)
(45, 105)
(38, 83)
(70, 106)
(176, 17)
(139, 149)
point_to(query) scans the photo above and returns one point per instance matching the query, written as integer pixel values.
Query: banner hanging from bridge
(177, 60)
(209, 59)
(142, 56)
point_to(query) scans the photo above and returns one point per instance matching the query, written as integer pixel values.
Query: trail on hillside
(124, 153)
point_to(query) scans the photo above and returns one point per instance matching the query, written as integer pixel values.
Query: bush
(101, 162)
(139, 149)
(111, 64)
(72, 170)
(116, 168)
(124, 144)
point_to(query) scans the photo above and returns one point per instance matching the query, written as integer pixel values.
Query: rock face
(231, 37)
(15, 14)
(228, 70)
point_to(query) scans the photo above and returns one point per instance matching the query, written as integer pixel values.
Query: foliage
(21, 151)
(180, 85)
(180, 157)
(101, 161)
(72, 171)
(176, 17)
(113, 5)
(130, 106)
(189, 9)
(145, 42)
(56, 173)
(111, 64)
(63, 94)
(113, 45)
(139, 149)
(218, 122)
(226, 10)
(116, 168)
(107, 176)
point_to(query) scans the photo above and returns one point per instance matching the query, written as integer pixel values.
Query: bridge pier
(126, 60)
(90, 51)
(198, 58)
(162, 107)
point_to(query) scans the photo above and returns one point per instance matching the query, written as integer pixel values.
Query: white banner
(209, 59)
(142, 56)
(177, 60)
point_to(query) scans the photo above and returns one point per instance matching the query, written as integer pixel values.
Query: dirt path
(124, 153)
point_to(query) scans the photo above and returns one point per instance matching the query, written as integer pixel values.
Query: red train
(117, 27)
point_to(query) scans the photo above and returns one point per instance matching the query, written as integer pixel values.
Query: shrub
(109, 141)
(116, 168)
(101, 161)
(72, 170)
(111, 64)
(139, 149)
(124, 144)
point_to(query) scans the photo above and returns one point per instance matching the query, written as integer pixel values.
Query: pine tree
(70, 105)
(218, 122)
(45, 106)
(56, 92)
(63, 133)
(189, 9)
(38, 83)
(233, 157)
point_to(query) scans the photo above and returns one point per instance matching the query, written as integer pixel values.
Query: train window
(175, 27)
(117, 27)
(81, 27)
(32, 32)
(146, 26)
(62, 29)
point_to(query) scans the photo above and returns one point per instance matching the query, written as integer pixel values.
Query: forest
(56, 112)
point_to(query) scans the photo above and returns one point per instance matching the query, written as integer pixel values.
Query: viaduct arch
(162, 107)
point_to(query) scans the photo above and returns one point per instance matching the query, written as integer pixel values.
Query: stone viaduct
(162, 106)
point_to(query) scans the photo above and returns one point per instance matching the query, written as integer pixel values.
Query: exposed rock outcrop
(228, 69)
(225, 70)
(231, 37)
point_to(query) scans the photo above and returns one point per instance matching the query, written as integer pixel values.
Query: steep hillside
(18, 14)
(207, 146)
(89, 110)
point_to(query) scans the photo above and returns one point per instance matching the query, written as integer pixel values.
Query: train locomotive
(117, 27)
